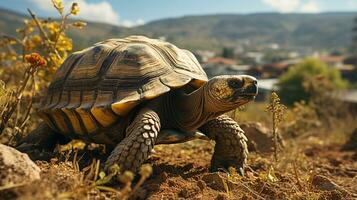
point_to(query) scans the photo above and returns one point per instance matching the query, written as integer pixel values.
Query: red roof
(331, 59)
(221, 60)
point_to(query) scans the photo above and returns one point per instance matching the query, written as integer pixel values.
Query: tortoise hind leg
(41, 142)
(231, 147)
(136, 147)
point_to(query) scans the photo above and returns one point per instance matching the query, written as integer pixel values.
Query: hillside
(325, 30)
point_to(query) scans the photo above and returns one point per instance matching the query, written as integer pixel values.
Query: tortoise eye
(235, 83)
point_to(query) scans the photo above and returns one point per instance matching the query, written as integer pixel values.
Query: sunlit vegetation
(294, 85)
(28, 61)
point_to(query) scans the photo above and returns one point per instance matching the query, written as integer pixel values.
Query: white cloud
(352, 4)
(287, 6)
(283, 5)
(310, 7)
(97, 11)
(128, 23)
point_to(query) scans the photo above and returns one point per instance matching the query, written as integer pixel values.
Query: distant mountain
(316, 31)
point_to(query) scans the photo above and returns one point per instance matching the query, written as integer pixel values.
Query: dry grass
(181, 171)
(313, 132)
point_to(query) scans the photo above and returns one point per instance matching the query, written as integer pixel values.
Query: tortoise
(133, 93)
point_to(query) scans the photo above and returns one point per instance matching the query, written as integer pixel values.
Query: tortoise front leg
(140, 138)
(40, 143)
(231, 147)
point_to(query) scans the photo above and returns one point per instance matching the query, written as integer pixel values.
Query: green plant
(293, 85)
(228, 52)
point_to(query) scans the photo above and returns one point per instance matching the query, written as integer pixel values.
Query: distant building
(274, 46)
(203, 56)
(220, 61)
(350, 98)
(348, 72)
(332, 61)
(256, 57)
(293, 55)
(256, 71)
(219, 66)
(275, 70)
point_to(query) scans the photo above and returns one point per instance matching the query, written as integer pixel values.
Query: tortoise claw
(223, 164)
(241, 171)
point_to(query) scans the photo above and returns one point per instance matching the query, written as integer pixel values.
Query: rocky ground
(307, 168)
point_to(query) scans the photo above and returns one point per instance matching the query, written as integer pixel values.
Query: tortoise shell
(96, 87)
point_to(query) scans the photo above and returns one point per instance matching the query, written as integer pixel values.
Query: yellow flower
(58, 5)
(56, 62)
(29, 45)
(29, 29)
(13, 57)
(36, 39)
(53, 27)
(74, 9)
(64, 43)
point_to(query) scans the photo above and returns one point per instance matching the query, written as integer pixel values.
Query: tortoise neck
(191, 111)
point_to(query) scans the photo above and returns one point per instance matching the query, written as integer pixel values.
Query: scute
(96, 86)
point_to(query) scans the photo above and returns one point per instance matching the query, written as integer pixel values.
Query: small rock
(259, 137)
(217, 181)
(325, 184)
(16, 167)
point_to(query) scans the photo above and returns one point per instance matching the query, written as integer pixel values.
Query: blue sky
(135, 12)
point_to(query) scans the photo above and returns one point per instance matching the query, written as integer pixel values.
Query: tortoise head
(232, 91)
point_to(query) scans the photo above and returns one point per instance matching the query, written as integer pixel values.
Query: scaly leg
(140, 138)
(231, 147)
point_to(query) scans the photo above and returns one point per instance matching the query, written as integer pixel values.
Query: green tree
(295, 85)
(228, 52)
